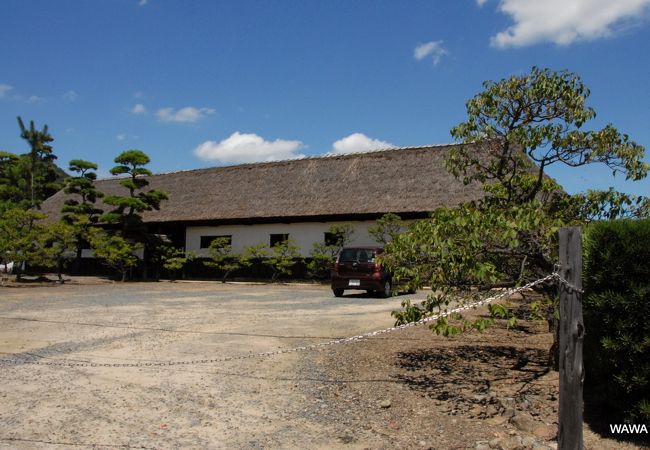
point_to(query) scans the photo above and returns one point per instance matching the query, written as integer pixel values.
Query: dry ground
(408, 389)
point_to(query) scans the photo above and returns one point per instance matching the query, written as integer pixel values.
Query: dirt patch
(475, 391)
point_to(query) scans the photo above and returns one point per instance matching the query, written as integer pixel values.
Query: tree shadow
(466, 374)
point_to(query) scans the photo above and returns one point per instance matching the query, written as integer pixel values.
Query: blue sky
(204, 83)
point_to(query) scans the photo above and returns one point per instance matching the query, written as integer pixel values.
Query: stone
(511, 443)
(346, 438)
(482, 446)
(539, 446)
(491, 411)
(527, 441)
(494, 443)
(544, 431)
(496, 420)
(385, 404)
(479, 398)
(524, 422)
(509, 412)
(476, 411)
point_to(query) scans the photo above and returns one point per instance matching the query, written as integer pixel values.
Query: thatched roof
(404, 180)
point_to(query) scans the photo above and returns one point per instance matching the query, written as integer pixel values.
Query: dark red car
(358, 268)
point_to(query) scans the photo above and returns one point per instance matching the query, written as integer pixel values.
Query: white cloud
(4, 88)
(120, 137)
(248, 147)
(70, 96)
(138, 108)
(563, 22)
(189, 114)
(434, 49)
(481, 2)
(34, 99)
(358, 142)
(143, 2)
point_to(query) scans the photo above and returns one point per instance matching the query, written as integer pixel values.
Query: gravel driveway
(251, 403)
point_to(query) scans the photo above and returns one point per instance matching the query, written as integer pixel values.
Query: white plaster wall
(304, 234)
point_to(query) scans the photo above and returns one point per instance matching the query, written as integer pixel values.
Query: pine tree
(129, 208)
(40, 169)
(80, 210)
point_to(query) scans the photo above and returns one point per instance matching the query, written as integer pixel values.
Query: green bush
(617, 317)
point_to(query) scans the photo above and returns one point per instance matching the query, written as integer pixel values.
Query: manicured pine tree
(129, 208)
(80, 210)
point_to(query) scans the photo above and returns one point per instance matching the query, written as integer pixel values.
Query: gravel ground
(252, 403)
(408, 389)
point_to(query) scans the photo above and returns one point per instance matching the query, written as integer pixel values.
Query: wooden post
(571, 338)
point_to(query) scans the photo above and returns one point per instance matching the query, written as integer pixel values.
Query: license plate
(354, 283)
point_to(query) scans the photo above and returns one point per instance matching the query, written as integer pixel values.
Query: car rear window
(357, 254)
(349, 254)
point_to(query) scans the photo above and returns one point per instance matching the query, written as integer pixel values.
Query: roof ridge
(328, 155)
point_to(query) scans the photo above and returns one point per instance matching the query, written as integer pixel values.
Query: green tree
(43, 177)
(255, 252)
(254, 255)
(128, 209)
(58, 242)
(524, 124)
(12, 186)
(82, 187)
(175, 259)
(114, 251)
(608, 205)
(518, 127)
(388, 227)
(222, 257)
(80, 209)
(284, 255)
(19, 238)
(323, 254)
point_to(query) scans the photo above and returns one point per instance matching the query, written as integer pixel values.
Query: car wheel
(338, 292)
(387, 290)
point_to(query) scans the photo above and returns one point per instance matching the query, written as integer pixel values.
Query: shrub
(616, 313)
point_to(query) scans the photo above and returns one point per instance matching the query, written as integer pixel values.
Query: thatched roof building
(410, 181)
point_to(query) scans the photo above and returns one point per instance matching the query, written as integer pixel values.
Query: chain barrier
(474, 305)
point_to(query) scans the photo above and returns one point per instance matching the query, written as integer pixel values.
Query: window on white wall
(277, 238)
(332, 238)
(207, 240)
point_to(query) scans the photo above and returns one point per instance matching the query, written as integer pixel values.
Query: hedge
(616, 280)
